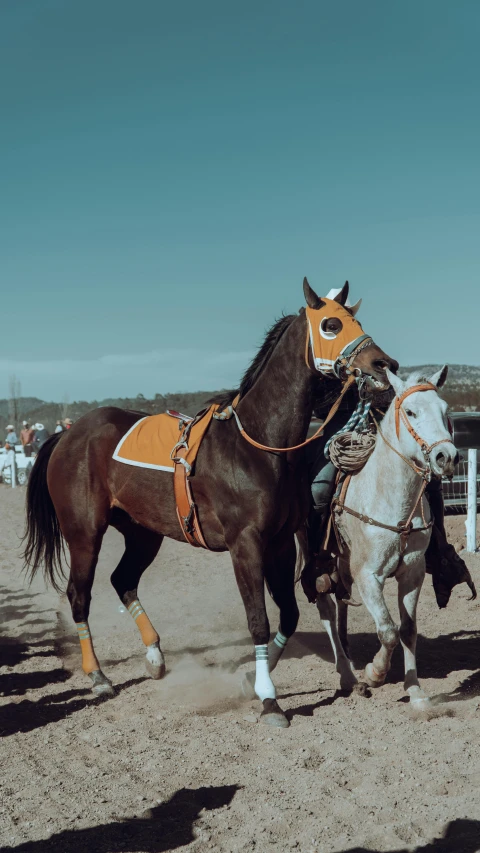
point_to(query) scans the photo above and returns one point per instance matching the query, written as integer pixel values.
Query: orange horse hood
(328, 347)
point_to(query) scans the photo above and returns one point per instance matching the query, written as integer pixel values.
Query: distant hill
(462, 388)
(38, 411)
(462, 393)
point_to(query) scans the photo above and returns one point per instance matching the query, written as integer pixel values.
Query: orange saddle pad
(150, 441)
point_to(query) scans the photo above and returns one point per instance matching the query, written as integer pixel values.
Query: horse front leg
(279, 562)
(371, 590)
(247, 552)
(409, 586)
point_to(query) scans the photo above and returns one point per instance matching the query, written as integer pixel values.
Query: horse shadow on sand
(17, 607)
(162, 828)
(460, 836)
(27, 715)
(436, 657)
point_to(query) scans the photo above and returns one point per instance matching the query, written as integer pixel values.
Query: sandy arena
(183, 764)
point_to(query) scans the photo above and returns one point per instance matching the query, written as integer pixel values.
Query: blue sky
(170, 172)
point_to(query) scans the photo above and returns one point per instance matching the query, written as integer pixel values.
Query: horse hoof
(248, 685)
(348, 682)
(422, 703)
(155, 671)
(278, 720)
(372, 678)
(272, 715)
(101, 685)
(155, 662)
(361, 689)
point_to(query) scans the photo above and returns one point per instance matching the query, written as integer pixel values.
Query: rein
(348, 384)
(403, 528)
(342, 364)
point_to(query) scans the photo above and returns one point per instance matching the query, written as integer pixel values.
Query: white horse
(384, 521)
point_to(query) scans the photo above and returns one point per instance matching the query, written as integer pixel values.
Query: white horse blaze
(264, 686)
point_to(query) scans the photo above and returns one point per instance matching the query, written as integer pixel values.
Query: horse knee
(389, 637)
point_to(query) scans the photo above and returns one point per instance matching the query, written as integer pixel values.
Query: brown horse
(249, 501)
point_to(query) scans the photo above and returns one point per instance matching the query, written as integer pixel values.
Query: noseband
(401, 415)
(347, 357)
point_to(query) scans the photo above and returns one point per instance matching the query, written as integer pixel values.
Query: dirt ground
(184, 764)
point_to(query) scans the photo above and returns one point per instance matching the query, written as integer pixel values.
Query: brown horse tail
(43, 537)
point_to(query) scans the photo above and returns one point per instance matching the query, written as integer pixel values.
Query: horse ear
(396, 383)
(440, 377)
(311, 298)
(343, 295)
(354, 308)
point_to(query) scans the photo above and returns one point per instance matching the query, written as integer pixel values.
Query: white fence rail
(471, 522)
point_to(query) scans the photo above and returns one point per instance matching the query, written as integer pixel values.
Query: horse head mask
(337, 342)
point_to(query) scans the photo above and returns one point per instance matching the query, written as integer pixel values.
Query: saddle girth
(186, 508)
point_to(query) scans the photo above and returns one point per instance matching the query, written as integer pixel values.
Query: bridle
(342, 369)
(346, 358)
(344, 361)
(401, 415)
(403, 528)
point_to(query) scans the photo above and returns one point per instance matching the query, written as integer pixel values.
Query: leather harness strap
(186, 508)
(185, 505)
(403, 528)
(348, 384)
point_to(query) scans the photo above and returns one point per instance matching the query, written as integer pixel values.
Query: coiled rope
(351, 446)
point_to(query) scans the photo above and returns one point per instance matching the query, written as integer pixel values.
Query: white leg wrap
(264, 686)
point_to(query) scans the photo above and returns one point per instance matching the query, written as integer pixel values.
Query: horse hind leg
(328, 618)
(141, 548)
(409, 587)
(83, 557)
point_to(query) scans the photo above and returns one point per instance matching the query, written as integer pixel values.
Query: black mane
(224, 398)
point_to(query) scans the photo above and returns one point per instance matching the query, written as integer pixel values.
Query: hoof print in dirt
(272, 715)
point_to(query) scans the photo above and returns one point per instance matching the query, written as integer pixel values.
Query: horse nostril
(457, 458)
(440, 460)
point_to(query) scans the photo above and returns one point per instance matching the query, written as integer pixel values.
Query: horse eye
(410, 413)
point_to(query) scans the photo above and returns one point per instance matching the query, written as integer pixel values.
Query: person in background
(59, 427)
(68, 423)
(26, 437)
(41, 435)
(11, 435)
(8, 458)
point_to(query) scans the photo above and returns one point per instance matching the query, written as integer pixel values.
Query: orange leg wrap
(147, 631)
(89, 659)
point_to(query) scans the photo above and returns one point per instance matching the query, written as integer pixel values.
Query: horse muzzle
(443, 459)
